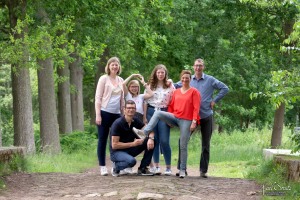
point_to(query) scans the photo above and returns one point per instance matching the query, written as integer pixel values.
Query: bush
(77, 141)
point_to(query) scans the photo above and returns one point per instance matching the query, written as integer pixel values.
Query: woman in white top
(163, 91)
(109, 101)
(132, 92)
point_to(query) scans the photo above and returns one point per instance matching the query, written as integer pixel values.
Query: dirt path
(90, 185)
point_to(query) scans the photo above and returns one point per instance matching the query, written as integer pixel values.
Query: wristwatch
(151, 138)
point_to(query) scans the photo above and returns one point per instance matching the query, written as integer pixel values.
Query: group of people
(139, 123)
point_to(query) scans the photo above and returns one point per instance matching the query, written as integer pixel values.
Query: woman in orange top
(183, 112)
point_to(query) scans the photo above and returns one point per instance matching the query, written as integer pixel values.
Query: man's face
(198, 67)
(130, 109)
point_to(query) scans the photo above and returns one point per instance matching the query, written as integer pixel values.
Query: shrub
(77, 141)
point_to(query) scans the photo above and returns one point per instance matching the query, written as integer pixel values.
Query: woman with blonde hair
(132, 92)
(109, 101)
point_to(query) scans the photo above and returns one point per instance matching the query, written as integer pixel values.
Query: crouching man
(125, 145)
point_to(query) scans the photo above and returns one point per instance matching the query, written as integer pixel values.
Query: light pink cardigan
(103, 93)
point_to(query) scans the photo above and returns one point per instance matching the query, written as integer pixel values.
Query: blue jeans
(162, 138)
(185, 133)
(124, 158)
(103, 132)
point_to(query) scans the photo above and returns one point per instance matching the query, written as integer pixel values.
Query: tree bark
(0, 131)
(64, 100)
(100, 70)
(76, 78)
(46, 94)
(21, 89)
(278, 126)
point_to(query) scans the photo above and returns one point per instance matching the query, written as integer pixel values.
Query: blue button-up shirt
(206, 86)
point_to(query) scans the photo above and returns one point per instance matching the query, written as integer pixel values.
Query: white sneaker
(103, 171)
(168, 172)
(139, 133)
(181, 173)
(126, 171)
(155, 170)
(152, 170)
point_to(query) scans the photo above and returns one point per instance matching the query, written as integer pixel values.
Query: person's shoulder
(119, 77)
(137, 122)
(210, 77)
(119, 120)
(103, 77)
(194, 90)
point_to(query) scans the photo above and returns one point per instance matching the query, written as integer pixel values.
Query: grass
(68, 163)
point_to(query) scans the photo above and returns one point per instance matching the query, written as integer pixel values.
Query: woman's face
(185, 79)
(134, 88)
(160, 74)
(114, 67)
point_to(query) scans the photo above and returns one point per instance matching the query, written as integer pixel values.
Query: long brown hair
(153, 80)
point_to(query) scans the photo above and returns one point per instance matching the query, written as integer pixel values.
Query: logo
(275, 190)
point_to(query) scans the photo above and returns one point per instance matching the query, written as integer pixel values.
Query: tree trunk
(278, 126)
(0, 131)
(48, 117)
(21, 89)
(100, 70)
(76, 77)
(46, 94)
(64, 100)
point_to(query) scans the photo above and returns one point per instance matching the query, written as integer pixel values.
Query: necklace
(184, 90)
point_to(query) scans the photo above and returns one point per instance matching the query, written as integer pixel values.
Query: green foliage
(296, 139)
(77, 141)
(16, 164)
(269, 174)
(6, 122)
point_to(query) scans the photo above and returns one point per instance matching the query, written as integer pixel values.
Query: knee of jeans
(132, 162)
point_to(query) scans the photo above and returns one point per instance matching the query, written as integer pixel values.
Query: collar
(194, 77)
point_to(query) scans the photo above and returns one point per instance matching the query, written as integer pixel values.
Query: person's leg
(164, 141)
(122, 160)
(167, 117)
(103, 132)
(184, 126)
(206, 132)
(135, 151)
(156, 152)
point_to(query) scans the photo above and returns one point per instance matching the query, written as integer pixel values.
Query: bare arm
(116, 144)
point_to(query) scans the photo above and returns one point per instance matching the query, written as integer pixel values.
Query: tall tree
(49, 132)
(64, 100)
(76, 78)
(21, 90)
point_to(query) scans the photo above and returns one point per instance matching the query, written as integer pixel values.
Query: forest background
(52, 54)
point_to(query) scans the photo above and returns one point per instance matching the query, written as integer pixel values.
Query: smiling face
(129, 109)
(114, 68)
(160, 74)
(185, 78)
(134, 87)
(198, 67)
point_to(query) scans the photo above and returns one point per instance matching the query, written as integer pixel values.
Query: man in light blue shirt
(206, 85)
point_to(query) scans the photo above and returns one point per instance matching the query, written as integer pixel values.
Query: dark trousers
(206, 132)
(125, 158)
(103, 132)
